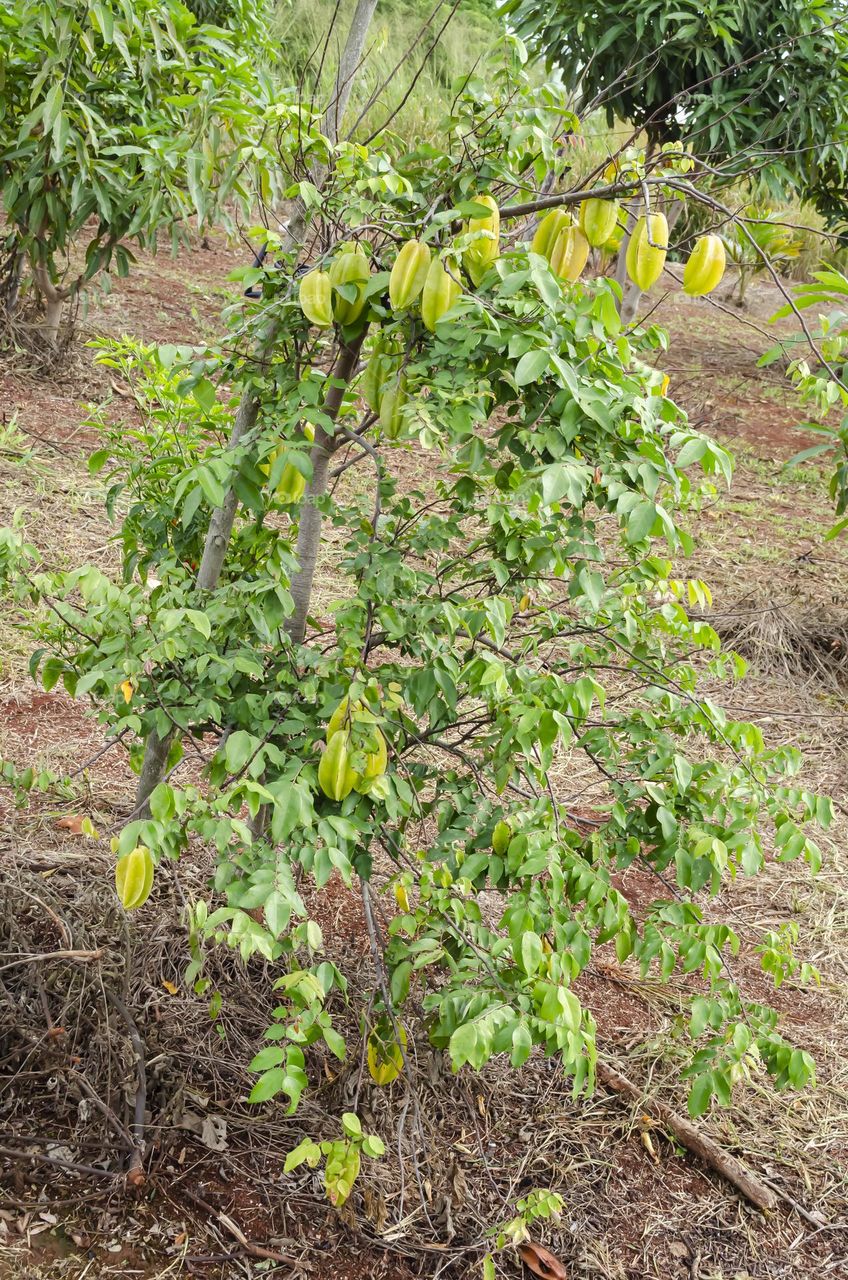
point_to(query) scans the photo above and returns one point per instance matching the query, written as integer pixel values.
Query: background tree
(119, 121)
(757, 86)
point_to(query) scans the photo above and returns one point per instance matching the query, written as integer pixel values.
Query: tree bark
(13, 285)
(54, 302)
(221, 521)
(348, 67)
(309, 526)
(52, 320)
(156, 751)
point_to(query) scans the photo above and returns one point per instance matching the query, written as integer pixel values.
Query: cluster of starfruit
(355, 755)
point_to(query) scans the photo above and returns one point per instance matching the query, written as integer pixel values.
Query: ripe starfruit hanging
(645, 260)
(705, 266)
(501, 836)
(316, 298)
(441, 291)
(548, 230)
(375, 762)
(336, 777)
(480, 255)
(292, 483)
(408, 274)
(569, 253)
(349, 269)
(598, 220)
(134, 877)
(392, 401)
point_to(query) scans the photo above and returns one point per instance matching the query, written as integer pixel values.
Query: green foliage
(128, 116)
(761, 239)
(823, 382)
(506, 610)
(747, 83)
(341, 1155)
(538, 1205)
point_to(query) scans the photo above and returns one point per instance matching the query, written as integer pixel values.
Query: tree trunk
(52, 320)
(309, 526)
(54, 302)
(13, 284)
(221, 522)
(156, 751)
(348, 67)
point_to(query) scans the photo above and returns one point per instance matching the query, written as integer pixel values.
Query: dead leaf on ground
(72, 823)
(541, 1261)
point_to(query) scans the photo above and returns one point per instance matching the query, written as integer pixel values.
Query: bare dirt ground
(213, 1174)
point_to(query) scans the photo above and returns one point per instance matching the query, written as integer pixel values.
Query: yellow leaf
(401, 897)
(385, 1058)
(127, 690)
(170, 988)
(647, 1143)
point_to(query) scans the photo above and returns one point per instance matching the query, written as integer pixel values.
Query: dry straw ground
(461, 1149)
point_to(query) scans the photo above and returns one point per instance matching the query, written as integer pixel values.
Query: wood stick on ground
(249, 1246)
(698, 1143)
(35, 957)
(9, 1153)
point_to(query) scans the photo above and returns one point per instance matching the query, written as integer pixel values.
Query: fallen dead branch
(249, 1246)
(704, 1147)
(37, 957)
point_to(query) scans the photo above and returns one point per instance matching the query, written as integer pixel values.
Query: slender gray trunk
(221, 522)
(349, 64)
(308, 542)
(309, 526)
(54, 302)
(13, 285)
(52, 320)
(156, 751)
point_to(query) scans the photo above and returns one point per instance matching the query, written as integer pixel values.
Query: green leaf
(240, 747)
(374, 1146)
(268, 1085)
(277, 909)
(522, 1045)
(335, 1043)
(204, 394)
(691, 452)
(471, 1042)
(532, 955)
(271, 1056)
(161, 802)
(640, 521)
(351, 1124)
(700, 1094)
(306, 1151)
(531, 366)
